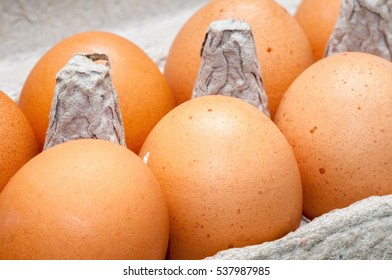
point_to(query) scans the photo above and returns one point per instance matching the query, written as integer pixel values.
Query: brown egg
(229, 176)
(282, 46)
(84, 199)
(143, 92)
(337, 117)
(318, 18)
(17, 141)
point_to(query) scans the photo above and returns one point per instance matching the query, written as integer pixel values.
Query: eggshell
(143, 92)
(318, 19)
(229, 176)
(337, 117)
(17, 141)
(84, 199)
(282, 47)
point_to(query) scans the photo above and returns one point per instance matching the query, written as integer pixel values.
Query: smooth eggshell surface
(84, 199)
(318, 19)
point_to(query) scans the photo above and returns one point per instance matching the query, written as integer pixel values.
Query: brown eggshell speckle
(84, 199)
(337, 117)
(17, 141)
(229, 176)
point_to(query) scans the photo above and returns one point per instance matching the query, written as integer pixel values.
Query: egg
(84, 199)
(318, 19)
(229, 176)
(282, 47)
(17, 141)
(337, 117)
(143, 92)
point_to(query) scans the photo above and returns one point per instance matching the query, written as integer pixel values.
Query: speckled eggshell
(84, 199)
(229, 175)
(17, 140)
(337, 116)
